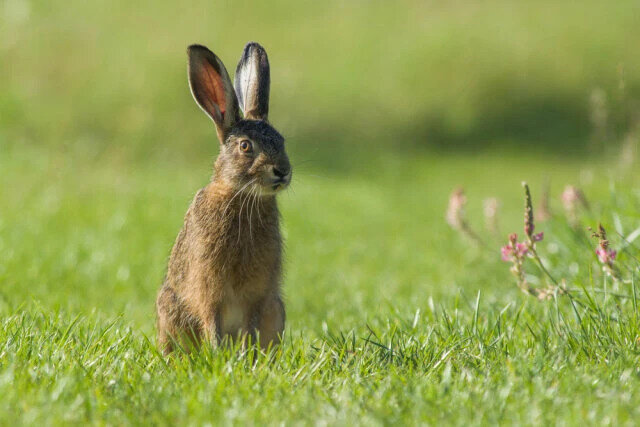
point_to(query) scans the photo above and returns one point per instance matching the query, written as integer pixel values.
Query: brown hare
(224, 273)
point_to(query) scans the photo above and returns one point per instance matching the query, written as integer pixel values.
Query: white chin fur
(265, 190)
(270, 190)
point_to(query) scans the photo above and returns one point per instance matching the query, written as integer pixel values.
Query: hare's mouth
(275, 186)
(272, 183)
(281, 184)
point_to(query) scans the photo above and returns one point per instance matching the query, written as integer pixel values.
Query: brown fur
(224, 273)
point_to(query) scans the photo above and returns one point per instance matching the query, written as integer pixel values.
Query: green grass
(392, 316)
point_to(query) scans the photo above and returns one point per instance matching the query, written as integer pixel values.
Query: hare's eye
(245, 146)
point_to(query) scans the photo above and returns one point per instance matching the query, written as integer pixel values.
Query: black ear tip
(253, 44)
(254, 47)
(197, 48)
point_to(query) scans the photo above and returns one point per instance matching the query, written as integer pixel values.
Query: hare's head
(252, 154)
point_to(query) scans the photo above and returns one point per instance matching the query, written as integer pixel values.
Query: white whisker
(244, 199)
(250, 209)
(258, 203)
(235, 195)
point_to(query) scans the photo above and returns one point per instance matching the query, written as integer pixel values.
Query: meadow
(393, 316)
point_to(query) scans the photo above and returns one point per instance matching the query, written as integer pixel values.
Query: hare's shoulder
(190, 228)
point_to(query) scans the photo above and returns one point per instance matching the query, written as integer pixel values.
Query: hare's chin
(272, 189)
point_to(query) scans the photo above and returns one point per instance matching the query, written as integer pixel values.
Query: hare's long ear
(212, 89)
(252, 82)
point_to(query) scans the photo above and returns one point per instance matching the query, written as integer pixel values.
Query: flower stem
(541, 265)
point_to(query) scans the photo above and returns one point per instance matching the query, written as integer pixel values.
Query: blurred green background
(386, 106)
(109, 76)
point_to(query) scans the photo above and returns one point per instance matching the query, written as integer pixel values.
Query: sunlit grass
(392, 317)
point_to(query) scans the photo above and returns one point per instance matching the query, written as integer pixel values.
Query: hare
(224, 273)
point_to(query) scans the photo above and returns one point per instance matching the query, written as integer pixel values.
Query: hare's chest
(236, 310)
(234, 317)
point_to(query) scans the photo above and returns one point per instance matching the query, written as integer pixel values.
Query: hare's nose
(280, 173)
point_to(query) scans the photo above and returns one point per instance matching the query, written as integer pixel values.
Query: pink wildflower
(507, 252)
(606, 256)
(514, 250)
(455, 212)
(572, 198)
(521, 249)
(455, 215)
(491, 206)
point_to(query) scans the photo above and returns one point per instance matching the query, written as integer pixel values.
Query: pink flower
(455, 211)
(521, 249)
(507, 251)
(514, 249)
(570, 196)
(606, 256)
(528, 228)
(538, 237)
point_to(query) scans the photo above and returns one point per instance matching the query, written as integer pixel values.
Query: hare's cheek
(255, 168)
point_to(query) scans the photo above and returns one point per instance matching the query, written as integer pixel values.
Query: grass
(392, 316)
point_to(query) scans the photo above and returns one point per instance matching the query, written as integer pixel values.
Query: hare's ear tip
(253, 45)
(197, 48)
